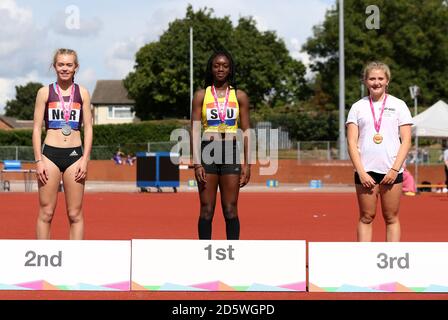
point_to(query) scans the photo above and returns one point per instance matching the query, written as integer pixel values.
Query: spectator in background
(118, 157)
(379, 139)
(425, 156)
(408, 182)
(412, 156)
(130, 159)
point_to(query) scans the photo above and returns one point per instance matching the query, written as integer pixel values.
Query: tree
(412, 39)
(265, 69)
(22, 107)
(160, 82)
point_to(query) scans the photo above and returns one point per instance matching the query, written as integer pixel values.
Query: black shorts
(62, 157)
(378, 177)
(221, 157)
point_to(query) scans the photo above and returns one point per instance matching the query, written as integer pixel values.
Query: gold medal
(221, 108)
(377, 138)
(222, 128)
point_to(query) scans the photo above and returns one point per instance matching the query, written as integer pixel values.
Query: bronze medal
(377, 138)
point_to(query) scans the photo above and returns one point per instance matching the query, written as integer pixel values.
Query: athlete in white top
(379, 139)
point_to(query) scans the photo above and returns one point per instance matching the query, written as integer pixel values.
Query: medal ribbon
(376, 123)
(62, 102)
(222, 109)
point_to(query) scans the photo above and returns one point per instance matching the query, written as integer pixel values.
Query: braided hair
(231, 79)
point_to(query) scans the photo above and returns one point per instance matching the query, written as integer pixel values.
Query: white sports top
(379, 158)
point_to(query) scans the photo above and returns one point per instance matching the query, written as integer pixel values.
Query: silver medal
(66, 130)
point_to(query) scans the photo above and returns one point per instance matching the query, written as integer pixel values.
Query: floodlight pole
(191, 69)
(415, 91)
(415, 105)
(342, 140)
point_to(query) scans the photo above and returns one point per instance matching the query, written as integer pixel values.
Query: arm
(195, 137)
(243, 101)
(352, 141)
(39, 110)
(445, 156)
(81, 170)
(405, 134)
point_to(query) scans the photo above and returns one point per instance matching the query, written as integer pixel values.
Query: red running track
(263, 216)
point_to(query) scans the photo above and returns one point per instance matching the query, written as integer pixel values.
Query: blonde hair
(62, 51)
(376, 65)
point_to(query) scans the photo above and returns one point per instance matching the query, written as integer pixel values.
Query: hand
(390, 177)
(245, 175)
(201, 176)
(41, 172)
(81, 170)
(366, 180)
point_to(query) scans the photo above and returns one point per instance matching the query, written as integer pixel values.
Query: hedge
(110, 134)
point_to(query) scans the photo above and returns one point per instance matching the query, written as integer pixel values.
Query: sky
(107, 33)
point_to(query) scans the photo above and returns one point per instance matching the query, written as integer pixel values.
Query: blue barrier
(315, 184)
(12, 165)
(272, 183)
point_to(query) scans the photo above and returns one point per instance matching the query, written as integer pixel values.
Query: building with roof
(9, 123)
(111, 104)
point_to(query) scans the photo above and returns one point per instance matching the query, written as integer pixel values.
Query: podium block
(378, 266)
(218, 265)
(65, 265)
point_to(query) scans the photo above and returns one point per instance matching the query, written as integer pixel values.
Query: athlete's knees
(46, 213)
(207, 211)
(75, 215)
(390, 218)
(46, 216)
(230, 210)
(367, 218)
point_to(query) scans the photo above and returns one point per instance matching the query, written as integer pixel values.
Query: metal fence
(16, 153)
(284, 142)
(98, 152)
(425, 155)
(317, 150)
(107, 152)
(300, 150)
